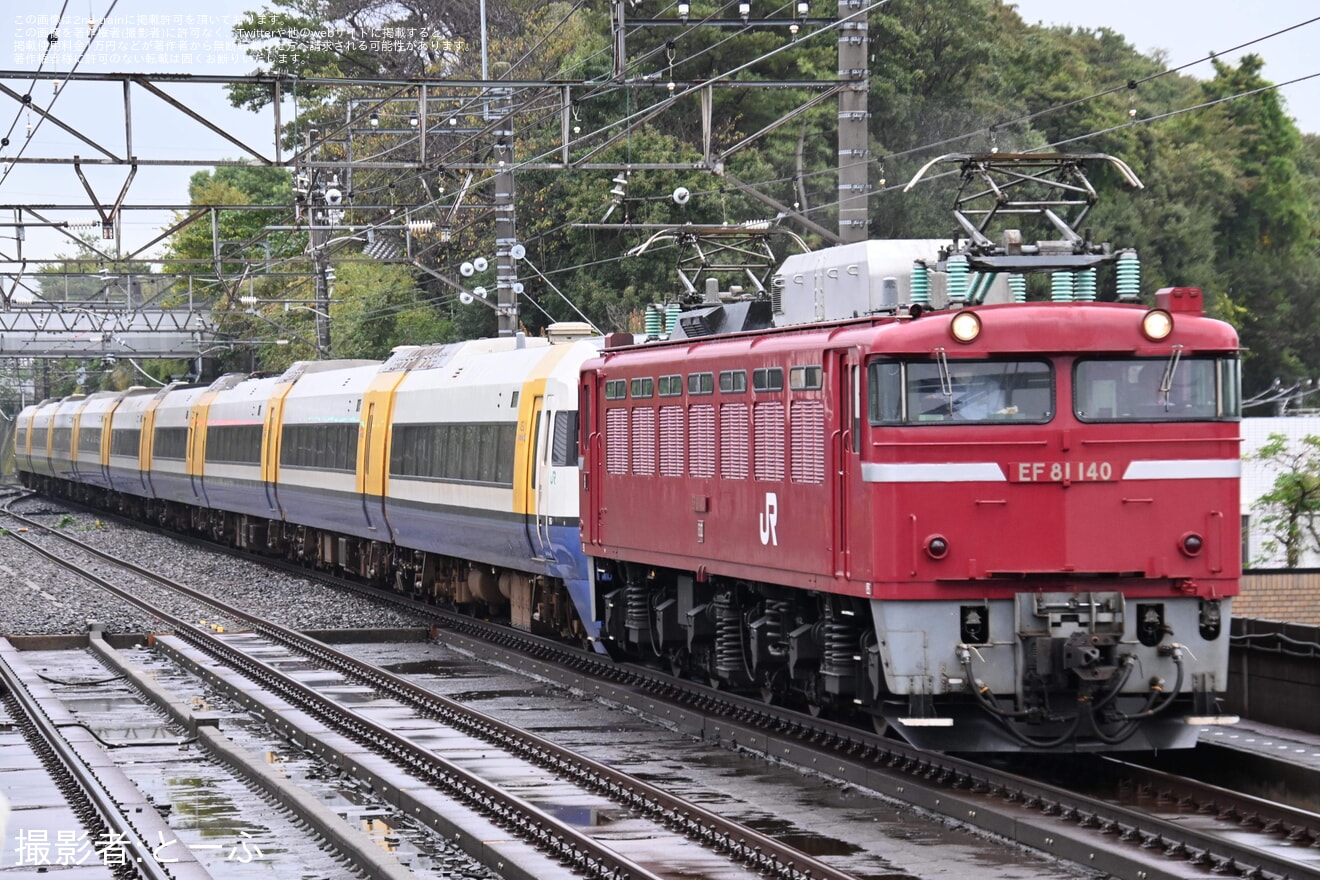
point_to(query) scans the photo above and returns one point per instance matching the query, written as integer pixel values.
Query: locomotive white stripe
(1185, 469)
(990, 472)
(946, 472)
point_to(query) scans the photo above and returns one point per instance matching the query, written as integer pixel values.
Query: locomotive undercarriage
(817, 650)
(1035, 673)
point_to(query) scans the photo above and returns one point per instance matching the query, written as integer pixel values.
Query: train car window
(616, 389)
(469, 455)
(805, 378)
(233, 444)
(643, 388)
(1230, 388)
(454, 452)
(768, 379)
(807, 436)
(507, 437)
(733, 440)
(486, 466)
(701, 441)
(348, 441)
(89, 439)
(1155, 389)
(768, 429)
(447, 452)
(671, 386)
(125, 441)
(938, 392)
(701, 383)
(168, 443)
(406, 443)
(440, 450)
(563, 449)
(733, 381)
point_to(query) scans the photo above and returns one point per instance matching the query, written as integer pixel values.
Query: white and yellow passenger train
(448, 470)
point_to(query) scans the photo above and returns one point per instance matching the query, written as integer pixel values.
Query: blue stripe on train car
(237, 495)
(496, 539)
(326, 509)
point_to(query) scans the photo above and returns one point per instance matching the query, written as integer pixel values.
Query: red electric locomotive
(1012, 526)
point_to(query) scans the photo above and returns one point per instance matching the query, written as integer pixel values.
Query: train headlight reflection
(965, 326)
(1157, 324)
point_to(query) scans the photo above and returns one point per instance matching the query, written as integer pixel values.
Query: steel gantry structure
(457, 132)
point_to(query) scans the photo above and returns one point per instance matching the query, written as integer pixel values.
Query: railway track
(119, 825)
(669, 816)
(1162, 827)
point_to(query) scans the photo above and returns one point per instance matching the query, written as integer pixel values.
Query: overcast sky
(1188, 30)
(193, 37)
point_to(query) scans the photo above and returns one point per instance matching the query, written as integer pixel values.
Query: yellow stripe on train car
(530, 403)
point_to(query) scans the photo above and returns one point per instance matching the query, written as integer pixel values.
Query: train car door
(843, 372)
(538, 466)
(370, 467)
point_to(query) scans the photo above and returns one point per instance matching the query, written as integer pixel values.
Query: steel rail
(99, 811)
(710, 829)
(1221, 853)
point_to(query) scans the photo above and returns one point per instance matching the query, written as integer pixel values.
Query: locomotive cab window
(805, 378)
(937, 392)
(1156, 389)
(768, 379)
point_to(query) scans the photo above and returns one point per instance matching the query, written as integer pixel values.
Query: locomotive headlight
(1157, 324)
(1191, 543)
(937, 547)
(965, 326)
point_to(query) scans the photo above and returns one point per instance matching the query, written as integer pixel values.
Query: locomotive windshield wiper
(1166, 382)
(946, 381)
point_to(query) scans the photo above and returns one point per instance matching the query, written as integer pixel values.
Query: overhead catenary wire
(4, 173)
(1027, 117)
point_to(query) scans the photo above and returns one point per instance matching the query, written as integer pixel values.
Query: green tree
(378, 306)
(1286, 514)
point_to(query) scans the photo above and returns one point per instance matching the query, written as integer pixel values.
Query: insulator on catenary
(1018, 285)
(672, 311)
(1128, 271)
(1084, 283)
(920, 284)
(957, 270)
(1061, 287)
